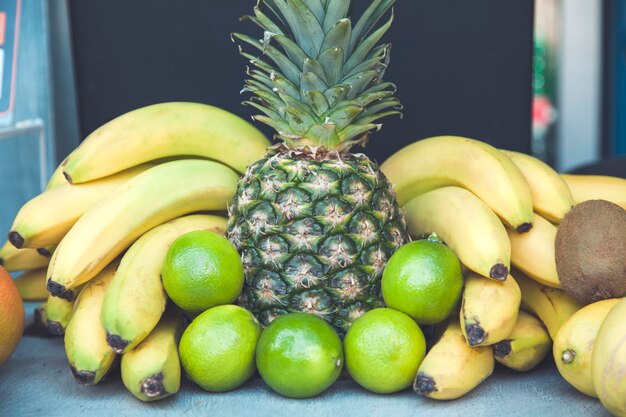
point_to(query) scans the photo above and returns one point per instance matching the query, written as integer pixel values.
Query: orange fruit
(11, 316)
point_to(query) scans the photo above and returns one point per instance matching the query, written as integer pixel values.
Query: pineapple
(314, 223)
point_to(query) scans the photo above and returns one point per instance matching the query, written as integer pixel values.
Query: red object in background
(543, 111)
(3, 26)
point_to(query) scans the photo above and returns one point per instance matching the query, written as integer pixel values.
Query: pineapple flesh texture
(315, 224)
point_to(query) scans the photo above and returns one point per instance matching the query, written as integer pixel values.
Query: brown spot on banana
(153, 386)
(424, 384)
(502, 349)
(116, 343)
(475, 334)
(84, 377)
(499, 272)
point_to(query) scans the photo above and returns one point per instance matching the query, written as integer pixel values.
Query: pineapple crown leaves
(319, 79)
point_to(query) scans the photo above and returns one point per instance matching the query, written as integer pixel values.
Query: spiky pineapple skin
(314, 233)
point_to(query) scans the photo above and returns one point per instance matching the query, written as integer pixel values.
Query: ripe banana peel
(534, 252)
(526, 346)
(608, 362)
(88, 354)
(135, 299)
(57, 178)
(14, 260)
(451, 160)
(151, 371)
(165, 130)
(466, 224)
(59, 312)
(551, 196)
(451, 368)
(32, 285)
(489, 309)
(553, 306)
(154, 197)
(44, 220)
(597, 187)
(573, 345)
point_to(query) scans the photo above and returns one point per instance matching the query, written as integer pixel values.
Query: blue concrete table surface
(36, 381)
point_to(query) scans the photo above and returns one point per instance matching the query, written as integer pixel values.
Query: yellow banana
(86, 348)
(45, 219)
(47, 251)
(597, 187)
(553, 306)
(151, 371)
(154, 197)
(57, 178)
(533, 252)
(32, 285)
(489, 309)
(451, 368)
(574, 343)
(465, 224)
(14, 259)
(479, 167)
(135, 300)
(608, 360)
(552, 197)
(59, 312)
(165, 130)
(527, 345)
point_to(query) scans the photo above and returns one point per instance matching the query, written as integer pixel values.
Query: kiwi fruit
(591, 251)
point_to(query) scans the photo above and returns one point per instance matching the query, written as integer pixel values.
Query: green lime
(299, 355)
(217, 349)
(384, 349)
(424, 280)
(202, 269)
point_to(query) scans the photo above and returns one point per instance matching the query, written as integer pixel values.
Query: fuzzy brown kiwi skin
(590, 251)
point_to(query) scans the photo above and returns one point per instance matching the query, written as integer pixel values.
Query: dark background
(462, 67)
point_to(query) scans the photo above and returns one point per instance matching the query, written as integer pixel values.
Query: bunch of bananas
(105, 223)
(499, 211)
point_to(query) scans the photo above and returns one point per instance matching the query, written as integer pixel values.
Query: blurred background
(547, 77)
